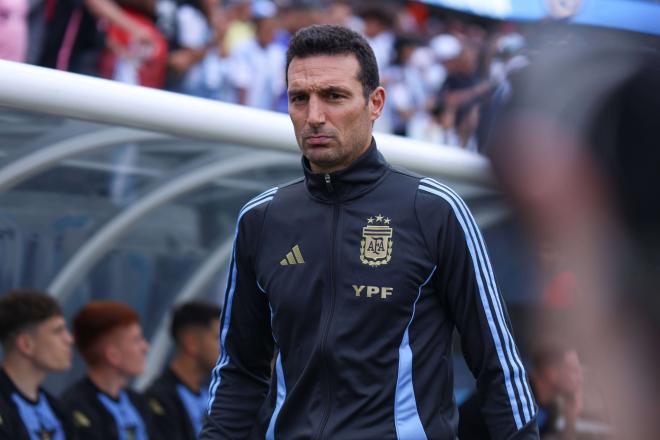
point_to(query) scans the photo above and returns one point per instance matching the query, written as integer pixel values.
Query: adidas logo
(293, 257)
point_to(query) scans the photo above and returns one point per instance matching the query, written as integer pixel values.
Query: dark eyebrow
(335, 89)
(295, 91)
(324, 90)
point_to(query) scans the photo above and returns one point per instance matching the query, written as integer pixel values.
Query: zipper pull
(328, 183)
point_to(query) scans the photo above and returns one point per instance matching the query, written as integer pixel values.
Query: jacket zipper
(326, 327)
(328, 184)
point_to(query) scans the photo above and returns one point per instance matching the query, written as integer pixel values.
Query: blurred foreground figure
(110, 340)
(35, 342)
(578, 152)
(556, 380)
(179, 397)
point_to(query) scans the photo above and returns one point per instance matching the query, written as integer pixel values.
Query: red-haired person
(109, 338)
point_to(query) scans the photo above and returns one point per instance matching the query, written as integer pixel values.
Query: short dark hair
(326, 39)
(97, 319)
(23, 308)
(193, 314)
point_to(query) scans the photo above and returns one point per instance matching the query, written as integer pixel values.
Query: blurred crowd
(444, 74)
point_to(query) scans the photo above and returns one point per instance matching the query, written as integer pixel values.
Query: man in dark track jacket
(35, 341)
(359, 274)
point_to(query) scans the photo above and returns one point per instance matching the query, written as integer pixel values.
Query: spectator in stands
(404, 86)
(379, 29)
(467, 122)
(556, 379)
(13, 30)
(200, 27)
(241, 28)
(258, 65)
(217, 64)
(109, 338)
(437, 128)
(179, 397)
(340, 12)
(35, 342)
(462, 88)
(74, 40)
(294, 15)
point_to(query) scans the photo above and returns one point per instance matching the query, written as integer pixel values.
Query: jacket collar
(360, 177)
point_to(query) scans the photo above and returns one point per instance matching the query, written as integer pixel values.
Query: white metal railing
(60, 93)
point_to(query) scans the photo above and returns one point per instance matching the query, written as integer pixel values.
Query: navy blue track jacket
(24, 419)
(358, 279)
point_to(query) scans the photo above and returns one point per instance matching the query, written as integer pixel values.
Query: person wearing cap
(109, 338)
(36, 342)
(178, 398)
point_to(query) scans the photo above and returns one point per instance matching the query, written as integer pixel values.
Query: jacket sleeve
(470, 293)
(240, 379)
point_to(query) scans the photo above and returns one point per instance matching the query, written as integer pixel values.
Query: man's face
(127, 349)
(51, 345)
(331, 119)
(207, 338)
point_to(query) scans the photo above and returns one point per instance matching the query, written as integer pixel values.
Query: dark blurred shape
(577, 151)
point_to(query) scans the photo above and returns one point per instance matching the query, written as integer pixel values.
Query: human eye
(335, 96)
(295, 99)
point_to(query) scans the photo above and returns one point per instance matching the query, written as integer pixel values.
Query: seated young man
(179, 397)
(109, 338)
(35, 341)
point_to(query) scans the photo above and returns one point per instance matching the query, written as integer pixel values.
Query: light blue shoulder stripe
(406, 417)
(281, 395)
(518, 369)
(281, 385)
(223, 360)
(482, 268)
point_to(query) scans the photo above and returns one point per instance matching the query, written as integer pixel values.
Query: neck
(108, 380)
(186, 369)
(25, 375)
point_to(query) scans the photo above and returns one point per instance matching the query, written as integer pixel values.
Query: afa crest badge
(376, 243)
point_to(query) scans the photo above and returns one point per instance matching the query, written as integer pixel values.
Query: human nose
(315, 112)
(68, 338)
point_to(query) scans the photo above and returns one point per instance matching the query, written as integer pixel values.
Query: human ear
(24, 343)
(376, 102)
(112, 354)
